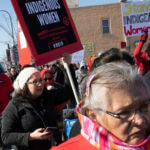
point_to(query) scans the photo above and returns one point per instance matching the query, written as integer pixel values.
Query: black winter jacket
(21, 117)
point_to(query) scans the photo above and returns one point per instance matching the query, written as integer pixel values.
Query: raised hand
(66, 58)
(145, 36)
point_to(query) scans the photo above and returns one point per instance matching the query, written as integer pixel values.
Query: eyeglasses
(47, 79)
(128, 114)
(36, 82)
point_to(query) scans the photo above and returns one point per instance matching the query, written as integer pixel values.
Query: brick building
(100, 28)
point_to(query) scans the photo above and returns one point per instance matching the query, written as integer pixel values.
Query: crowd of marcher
(114, 109)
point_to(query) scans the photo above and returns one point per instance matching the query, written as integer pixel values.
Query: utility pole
(8, 54)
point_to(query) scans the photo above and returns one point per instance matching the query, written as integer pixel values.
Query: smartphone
(51, 128)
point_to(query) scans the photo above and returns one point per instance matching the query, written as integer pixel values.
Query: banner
(135, 17)
(24, 51)
(48, 28)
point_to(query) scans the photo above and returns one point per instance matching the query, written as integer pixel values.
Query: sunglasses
(47, 79)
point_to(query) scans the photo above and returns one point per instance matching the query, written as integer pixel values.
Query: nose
(139, 118)
(39, 83)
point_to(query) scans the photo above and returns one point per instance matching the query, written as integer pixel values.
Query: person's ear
(91, 114)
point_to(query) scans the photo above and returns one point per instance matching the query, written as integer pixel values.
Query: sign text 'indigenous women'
(43, 7)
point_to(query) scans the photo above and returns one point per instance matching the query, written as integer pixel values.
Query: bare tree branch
(1, 26)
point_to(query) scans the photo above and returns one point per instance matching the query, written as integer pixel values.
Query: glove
(145, 36)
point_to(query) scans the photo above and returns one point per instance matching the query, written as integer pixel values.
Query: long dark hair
(25, 92)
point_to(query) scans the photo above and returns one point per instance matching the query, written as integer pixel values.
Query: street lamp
(11, 25)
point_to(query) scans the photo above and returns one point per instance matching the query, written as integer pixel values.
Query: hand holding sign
(145, 36)
(66, 58)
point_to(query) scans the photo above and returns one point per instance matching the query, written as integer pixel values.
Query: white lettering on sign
(58, 44)
(42, 6)
(48, 18)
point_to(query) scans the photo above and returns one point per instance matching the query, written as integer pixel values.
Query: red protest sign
(48, 28)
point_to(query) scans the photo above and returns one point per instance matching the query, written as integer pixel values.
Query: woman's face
(35, 85)
(47, 77)
(134, 127)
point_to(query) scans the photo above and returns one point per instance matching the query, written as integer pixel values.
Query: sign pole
(72, 83)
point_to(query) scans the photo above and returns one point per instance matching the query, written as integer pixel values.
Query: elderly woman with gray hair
(114, 114)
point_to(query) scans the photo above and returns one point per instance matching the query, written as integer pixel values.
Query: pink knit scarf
(102, 139)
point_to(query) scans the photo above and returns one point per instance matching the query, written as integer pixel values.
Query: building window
(105, 26)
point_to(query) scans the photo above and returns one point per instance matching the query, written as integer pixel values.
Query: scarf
(102, 139)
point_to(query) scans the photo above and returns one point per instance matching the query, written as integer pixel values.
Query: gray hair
(108, 77)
